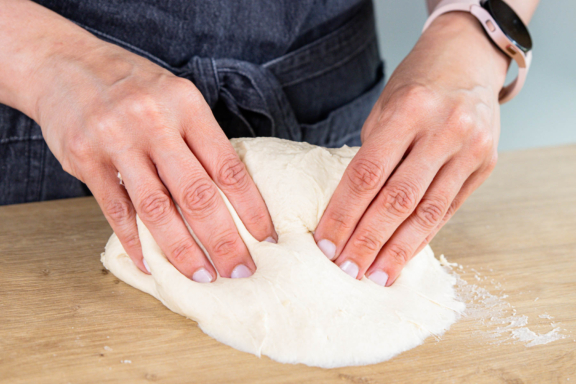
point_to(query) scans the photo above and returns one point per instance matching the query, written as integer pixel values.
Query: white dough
(299, 307)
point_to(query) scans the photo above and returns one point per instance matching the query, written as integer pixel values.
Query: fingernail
(350, 268)
(146, 265)
(328, 248)
(270, 239)
(241, 271)
(202, 276)
(379, 277)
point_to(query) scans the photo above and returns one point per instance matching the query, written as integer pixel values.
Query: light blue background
(544, 113)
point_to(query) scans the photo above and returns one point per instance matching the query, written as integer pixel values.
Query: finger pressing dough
(299, 307)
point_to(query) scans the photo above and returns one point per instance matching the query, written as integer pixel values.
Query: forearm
(524, 8)
(30, 37)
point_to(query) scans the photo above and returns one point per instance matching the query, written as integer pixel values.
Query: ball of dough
(299, 307)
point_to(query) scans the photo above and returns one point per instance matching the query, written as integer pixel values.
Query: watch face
(509, 22)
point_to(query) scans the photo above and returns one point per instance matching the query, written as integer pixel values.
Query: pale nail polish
(328, 248)
(270, 239)
(241, 271)
(202, 276)
(146, 265)
(379, 277)
(350, 268)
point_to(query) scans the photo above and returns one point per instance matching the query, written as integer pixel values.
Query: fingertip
(391, 274)
(379, 277)
(271, 230)
(391, 281)
(384, 272)
(240, 272)
(137, 258)
(391, 261)
(141, 265)
(328, 248)
(350, 268)
(202, 275)
(146, 266)
(269, 235)
(274, 234)
(393, 267)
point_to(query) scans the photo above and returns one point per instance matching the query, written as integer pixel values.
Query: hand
(104, 110)
(429, 142)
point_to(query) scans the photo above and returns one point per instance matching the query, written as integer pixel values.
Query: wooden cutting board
(64, 318)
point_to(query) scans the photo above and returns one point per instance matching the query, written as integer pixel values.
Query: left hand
(429, 142)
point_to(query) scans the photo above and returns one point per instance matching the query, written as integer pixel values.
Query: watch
(505, 29)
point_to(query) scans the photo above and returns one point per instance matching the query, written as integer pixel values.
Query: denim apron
(293, 75)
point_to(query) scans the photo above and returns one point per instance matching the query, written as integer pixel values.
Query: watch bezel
(520, 27)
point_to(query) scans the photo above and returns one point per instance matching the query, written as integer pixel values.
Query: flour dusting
(495, 314)
(526, 335)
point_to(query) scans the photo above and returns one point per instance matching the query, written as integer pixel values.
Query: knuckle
(450, 212)
(226, 246)
(482, 144)
(461, 121)
(132, 240)
(142, 104)
(257, 217)
(418, 92)
(189, 91)
(340, 222)
(368, 240)
(155, 207)
(492, 162)
(398, 254)
(417, 97)
(181, 84)
(119, 210)
(186, 91)
(79, 147)
(430, 212)
(182, 250)
(199, 198)
(429, 238)
(400, 199)
(232, 173)
(104, 123)
(365, 176)
(72, 168)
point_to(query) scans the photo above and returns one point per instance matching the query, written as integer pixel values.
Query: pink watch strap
(509, 91)
(498, 37)
(449, 6)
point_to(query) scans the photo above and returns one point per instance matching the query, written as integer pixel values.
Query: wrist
(31, 39)
(461, 36)
(68, 61)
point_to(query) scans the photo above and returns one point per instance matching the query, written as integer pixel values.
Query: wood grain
(64, 318)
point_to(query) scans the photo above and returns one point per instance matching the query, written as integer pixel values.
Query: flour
(526, 335)
(496, 318)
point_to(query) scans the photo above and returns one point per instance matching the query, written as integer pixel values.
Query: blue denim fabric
(318, 86)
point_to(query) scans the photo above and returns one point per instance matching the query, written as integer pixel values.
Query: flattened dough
(299, 307)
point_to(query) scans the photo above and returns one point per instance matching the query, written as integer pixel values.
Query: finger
(118, 210)
(473, 182)
(215, 152)
(361, 182)
(158, 212)
(429, 213)
(204, 209)
(394, 204)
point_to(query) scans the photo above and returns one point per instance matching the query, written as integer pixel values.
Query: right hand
(104, 110)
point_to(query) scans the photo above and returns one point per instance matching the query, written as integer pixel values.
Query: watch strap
(496, 35)
(446, 6)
